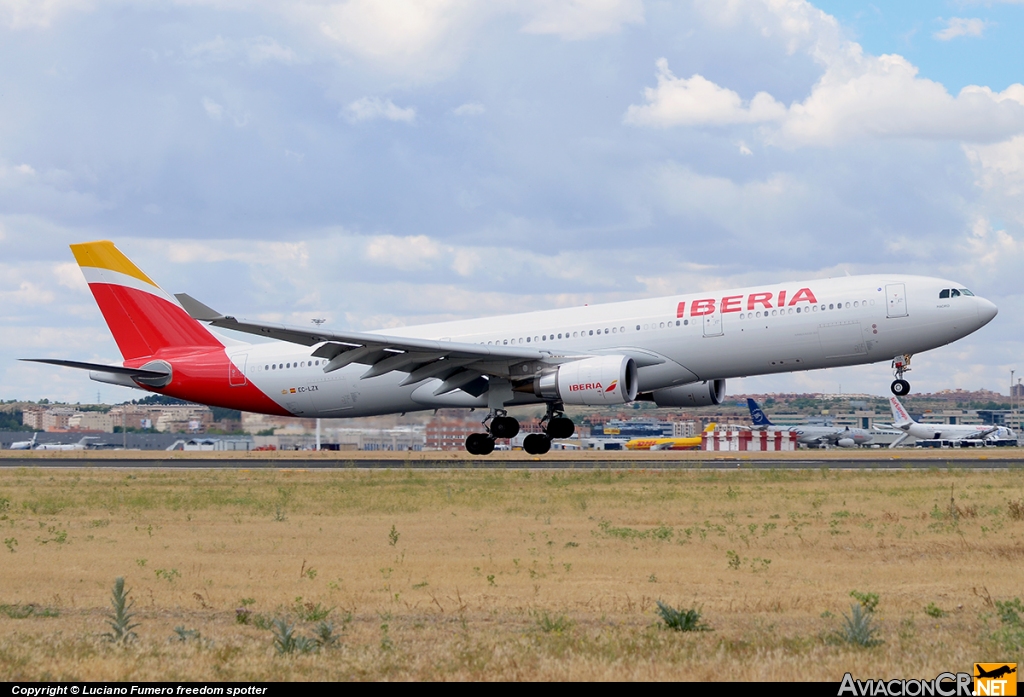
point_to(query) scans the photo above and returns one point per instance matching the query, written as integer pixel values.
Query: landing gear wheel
(560, 427)
(900, 387)
(504, 427)
(537, 444)
(479, 444)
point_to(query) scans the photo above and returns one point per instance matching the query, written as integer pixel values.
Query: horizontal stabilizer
(116, 369)
(197, 310)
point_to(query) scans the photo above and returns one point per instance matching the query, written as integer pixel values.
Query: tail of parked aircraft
(900, 417)
(756, 415)
(141, 316)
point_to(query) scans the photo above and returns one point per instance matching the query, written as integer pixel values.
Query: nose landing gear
(900, 365)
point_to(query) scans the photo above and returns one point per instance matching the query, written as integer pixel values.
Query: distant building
(450, 434)
(92, 421)
(633, 428)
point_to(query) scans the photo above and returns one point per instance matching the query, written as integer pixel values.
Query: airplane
(675, 351)
(80, 445)
(25, 444)
(956, 433)
(687, 443)
(809, 434)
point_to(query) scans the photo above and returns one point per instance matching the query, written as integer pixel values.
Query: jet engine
(590, 381)
(698, 394)
(846, 442)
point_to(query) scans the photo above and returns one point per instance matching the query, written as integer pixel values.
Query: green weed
(10, 543)
(868, 601)
(20, 612)
(393, 536)
(858, 628)
(120, 620)
(553, 624)
(933, 610)
(681, 620)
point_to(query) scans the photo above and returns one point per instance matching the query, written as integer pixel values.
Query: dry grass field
(507, 574)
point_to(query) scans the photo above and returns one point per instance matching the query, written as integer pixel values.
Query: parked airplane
(80, 445)
(675, 351)
(810, 434)
(687, 443)
(25, 444)
(956, 433)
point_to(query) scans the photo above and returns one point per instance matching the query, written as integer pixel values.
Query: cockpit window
(966, 292)
(954, 293)
(944, 293)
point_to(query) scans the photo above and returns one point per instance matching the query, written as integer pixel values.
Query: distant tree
(159, 399)
(11, 421)
(220, 414)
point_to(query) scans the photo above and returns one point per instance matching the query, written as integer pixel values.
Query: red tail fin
(142, 317)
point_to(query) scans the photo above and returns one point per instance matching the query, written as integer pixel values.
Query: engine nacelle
(590, 381)
(698, 394)
(846, 443)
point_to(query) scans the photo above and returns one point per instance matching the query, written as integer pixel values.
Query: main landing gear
(556, 425)
(900, 365)
(500, 425)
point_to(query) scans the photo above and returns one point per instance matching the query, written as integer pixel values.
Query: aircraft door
(713, 323)
(236, 370)
(896, 300)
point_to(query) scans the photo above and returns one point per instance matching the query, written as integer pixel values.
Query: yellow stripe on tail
(102, 254)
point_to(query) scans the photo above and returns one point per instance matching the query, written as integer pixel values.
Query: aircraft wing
(456, 363)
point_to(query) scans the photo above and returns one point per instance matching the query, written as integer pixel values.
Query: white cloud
(699, 102)
(23, 14)
(469, 109)
(369, 108)
(857, 96)
(69, 275)
(402, 252)
(27, 293)
(214, 110)
(960, 26)
(581, 19)
(1000, 166)
(256, 50)
(883, 97)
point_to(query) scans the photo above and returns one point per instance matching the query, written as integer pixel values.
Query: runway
(804, 459)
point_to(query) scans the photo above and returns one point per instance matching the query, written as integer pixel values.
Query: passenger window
(944, 293)
(591, 332)
(527, 339)
(638, 327)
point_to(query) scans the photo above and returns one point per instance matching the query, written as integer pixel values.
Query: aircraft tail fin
(899, 415)
(140, 315)
(710, 428)
(756, 415)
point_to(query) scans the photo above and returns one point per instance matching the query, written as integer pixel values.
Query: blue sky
(992, 57)
(385, 164)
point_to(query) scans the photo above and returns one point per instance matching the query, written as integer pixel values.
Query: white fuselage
(956, 432)
(689, 338)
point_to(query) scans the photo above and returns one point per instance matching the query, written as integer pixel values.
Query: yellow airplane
(690, 443)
